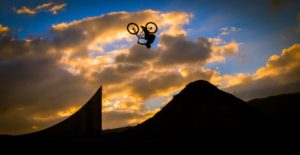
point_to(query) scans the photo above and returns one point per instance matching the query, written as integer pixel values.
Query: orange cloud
(3, 29)
(276, 66)
(43, 6)
(49, 7)
(220, 50)
(25, 10)
(176, 17)
(226, 81)
(56, 8)
(68, 112)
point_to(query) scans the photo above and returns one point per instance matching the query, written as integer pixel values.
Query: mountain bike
(134, 29)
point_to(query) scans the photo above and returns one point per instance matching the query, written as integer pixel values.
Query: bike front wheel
(151, 27)
(133, 28)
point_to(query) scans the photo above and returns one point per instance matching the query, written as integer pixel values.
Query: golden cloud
(50, 7)
(175, 17)
(25, 10)
(56, 8)
(226, 81)
(287, 62)
(221, 50)
(43, 6)
(280, 74)
(4, 29)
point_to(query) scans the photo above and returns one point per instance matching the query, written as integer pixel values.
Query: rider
(148, 36)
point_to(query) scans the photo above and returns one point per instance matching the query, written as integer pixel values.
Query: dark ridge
(201, 118)
(205, 116)
(200, 99)
(284, 108)
(199, 86)
(283, 113)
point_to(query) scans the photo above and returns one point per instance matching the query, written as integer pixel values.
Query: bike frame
(140, 36)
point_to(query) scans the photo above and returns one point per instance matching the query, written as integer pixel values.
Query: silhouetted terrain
(200, 118)
(203, 117)
(281, 107)
(283, 112)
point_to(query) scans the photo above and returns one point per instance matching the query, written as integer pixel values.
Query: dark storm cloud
(146, 88)
(26, 78)
(10, 48)
(37, 85)
(172, 50)
(118, 73)
(164, 82)
(178, 50)
(137, 54)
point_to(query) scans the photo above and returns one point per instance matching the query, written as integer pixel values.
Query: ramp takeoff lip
(86, 121)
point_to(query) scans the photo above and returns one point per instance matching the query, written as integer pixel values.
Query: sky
(54, 54)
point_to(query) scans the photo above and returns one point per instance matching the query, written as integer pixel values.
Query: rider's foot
(148, 45)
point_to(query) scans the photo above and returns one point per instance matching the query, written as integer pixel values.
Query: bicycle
(134, 29)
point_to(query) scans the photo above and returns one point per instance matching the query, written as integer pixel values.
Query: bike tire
(133, 28)
(151, 27)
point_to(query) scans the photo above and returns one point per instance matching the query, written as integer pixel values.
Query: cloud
(118, 73)
(221, 49)
(165, 83)
(4, 29)
(12, 48)
(137, 54)
(34, 86)
(117, 119)
(46, 7)
(25, 10)
(56, 8)
(105, 30)
(180, 18)
(179, 50)
(281, 74)
(279, 66)
(43, 6)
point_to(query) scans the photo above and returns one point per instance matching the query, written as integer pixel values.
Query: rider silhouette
(150, 37)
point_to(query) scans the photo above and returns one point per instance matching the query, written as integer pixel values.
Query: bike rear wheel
(133, 28)
(151, 27)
